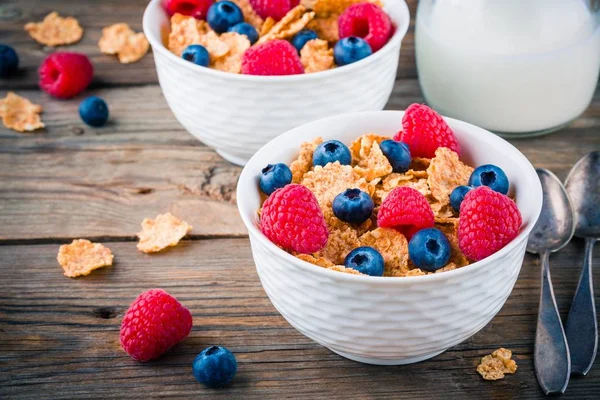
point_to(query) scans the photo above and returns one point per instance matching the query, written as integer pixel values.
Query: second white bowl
(238, 114)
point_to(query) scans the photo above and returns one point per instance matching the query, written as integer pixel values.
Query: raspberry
(196, 8)
(153, 324)
(275, 57)
(488, 221)
(424, 130)
(275, 9)
(406, 210)
(64, 75)
(291, 218)
(367, 21)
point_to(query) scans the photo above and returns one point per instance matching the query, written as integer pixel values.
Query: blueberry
(351, 49)
(273, 177)
(300, 38)
(197, 54)
(397, 154)
(366, 260)
(353, 206)
(331, 151)
(93, 111)
(458, 195)
(9, 60)
(429, 249)
(215, 366)
(491, 176)
(244, 28)
(223, 15)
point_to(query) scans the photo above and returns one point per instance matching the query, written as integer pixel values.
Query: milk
(511, 66)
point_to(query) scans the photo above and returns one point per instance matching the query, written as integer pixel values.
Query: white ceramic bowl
(238, 114)
(384, 320)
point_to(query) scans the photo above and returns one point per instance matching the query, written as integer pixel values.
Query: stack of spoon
(572, 209)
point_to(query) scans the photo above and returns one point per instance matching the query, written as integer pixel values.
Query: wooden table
(59, 337)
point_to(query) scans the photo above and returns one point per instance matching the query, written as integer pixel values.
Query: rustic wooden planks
(59, 336)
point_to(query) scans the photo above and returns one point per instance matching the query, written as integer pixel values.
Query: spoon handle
(582, 328)
(551, 356)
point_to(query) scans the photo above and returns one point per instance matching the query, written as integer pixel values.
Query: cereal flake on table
(293, 22)
(55, 30)
(20, 114)
(316, 56)
(164, 231)
(81, 257)
(496, 365)
(121, 40)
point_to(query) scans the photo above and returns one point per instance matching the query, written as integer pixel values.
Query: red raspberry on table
(275, 57)
(367, 21)
(292, 219)
(488, 221)
(275, 9)
(64, 75)
(406, 210)
(153, 324)
(424, 130)
(196, 8)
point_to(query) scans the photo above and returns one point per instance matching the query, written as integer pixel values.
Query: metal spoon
(583, 186)
(552, 232)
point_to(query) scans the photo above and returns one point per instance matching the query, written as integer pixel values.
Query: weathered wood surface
(59, 337)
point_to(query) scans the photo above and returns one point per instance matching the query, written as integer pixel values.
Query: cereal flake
(446, 172)
(121, 40)
(267, 26)
(164, 231)
(231, 61)
(341, 268)
(55, 30)
(304, 162)
(81, 257)
(393, 246)
(326, 28)
(332, 179)
(250, 16)
(320, 261)
(343, 238)
(185, 31)
(375, 165)
(450, 230)
(316, 56)
(496, 365)
(20, 114)
(293, 22)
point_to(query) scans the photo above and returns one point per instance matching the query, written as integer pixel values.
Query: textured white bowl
(238, 114)
(383, 320)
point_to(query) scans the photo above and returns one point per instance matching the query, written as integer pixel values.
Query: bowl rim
(157, 45)
(534, 195)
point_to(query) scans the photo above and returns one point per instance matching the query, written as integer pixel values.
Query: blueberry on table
(223, 15)
(244, 28)
(351, 49)
(458, 195)
(273, 177)
(397, 153)
(9, 61)
(353, 206)
(197, 54)
(365, 260)
(300, 38)
(429, 249)
(93, 111)
(215, 366)
(332, 151)
(491, 176)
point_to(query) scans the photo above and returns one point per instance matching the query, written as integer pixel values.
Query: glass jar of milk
(515, 67)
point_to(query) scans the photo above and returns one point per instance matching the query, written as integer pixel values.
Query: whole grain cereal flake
(293, 22)
(316, 56)
(81, 257)
(20, 114)
(164, 231)
(496, 365)
(121, 40)
(55, 30)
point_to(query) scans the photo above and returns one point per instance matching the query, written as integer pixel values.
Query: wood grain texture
(59, 337)
(75, 181)
(95, 15)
